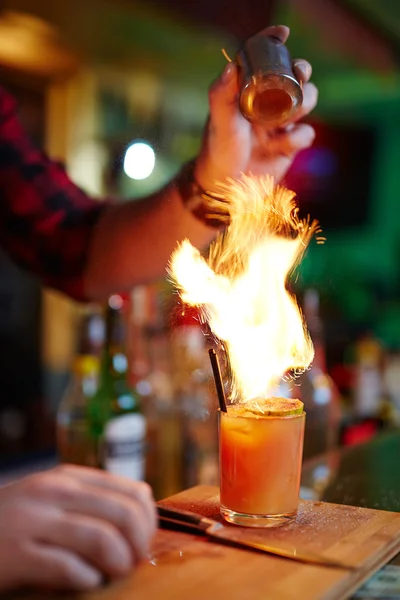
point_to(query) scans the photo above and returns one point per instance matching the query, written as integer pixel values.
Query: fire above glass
(241, 291)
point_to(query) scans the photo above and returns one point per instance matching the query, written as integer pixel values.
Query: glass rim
(261, 417)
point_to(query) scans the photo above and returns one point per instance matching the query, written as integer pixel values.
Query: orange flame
(241, 285)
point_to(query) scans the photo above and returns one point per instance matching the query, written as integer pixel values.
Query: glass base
(248, 520)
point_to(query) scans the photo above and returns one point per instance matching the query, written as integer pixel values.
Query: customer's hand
(232, 145)
(70, 527)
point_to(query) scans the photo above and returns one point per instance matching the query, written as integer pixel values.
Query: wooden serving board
(184, 566)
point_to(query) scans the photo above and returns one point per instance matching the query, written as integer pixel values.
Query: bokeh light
(139, 161)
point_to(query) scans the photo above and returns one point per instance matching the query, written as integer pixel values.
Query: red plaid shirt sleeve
(45, 220)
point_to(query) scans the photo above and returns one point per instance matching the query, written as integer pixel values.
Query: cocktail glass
(260, 466)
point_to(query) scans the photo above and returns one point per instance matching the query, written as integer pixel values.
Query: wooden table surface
(184, 566)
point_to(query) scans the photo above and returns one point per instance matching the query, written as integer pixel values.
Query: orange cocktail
(261, 448)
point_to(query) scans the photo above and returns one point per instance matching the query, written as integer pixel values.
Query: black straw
(218, 379)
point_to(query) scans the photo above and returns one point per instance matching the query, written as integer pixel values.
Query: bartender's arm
(72, 526)
(89, 250)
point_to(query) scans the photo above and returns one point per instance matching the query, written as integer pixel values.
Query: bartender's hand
(69, 527)
(232, 145)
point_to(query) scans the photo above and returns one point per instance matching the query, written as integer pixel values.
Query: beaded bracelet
(210, 209)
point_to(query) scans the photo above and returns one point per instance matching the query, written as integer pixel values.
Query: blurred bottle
(368, 377)
(150, 362)
(115, 419)
(391, 382)
(74, 443)
(321, 400)
(197, 406)
(317, 389)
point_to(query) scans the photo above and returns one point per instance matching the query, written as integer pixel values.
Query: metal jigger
(269, 91)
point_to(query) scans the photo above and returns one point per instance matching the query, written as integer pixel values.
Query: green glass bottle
(114, 414)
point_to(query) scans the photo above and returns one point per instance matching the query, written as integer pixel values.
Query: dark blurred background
(93, 77)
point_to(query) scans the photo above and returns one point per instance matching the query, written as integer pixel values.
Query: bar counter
(367, 475)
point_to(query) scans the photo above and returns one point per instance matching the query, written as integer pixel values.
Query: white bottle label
(124, 446)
